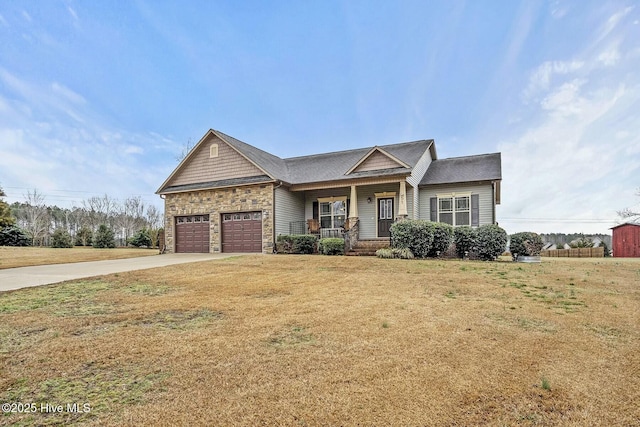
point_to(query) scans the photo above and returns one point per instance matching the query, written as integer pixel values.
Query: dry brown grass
(312, 340)
(11, 257)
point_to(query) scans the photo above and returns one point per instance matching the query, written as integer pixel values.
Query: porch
(331, 212)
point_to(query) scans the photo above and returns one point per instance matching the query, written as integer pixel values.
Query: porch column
(353, 209)
(402, 201)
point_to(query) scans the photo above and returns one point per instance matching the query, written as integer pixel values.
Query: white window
(454, 210)
(333, 212)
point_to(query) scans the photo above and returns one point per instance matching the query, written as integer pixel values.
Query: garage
(192, 234)
(242, 232)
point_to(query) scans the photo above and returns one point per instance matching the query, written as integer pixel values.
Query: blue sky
(101, 96)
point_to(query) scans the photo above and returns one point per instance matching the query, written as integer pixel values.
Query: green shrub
(141, 238)
(13, 236)
(296, 243)
(331, 246)
(415, 235)
(465, 240)
(526, 243)
(442, 238)
(84, 236)
(491, 241)
(61, 239)
(104, 238)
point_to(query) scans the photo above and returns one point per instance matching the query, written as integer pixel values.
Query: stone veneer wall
(215, 202)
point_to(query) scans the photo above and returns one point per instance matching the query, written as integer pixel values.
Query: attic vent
(213, 150)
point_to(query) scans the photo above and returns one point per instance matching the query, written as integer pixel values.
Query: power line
(574, 220)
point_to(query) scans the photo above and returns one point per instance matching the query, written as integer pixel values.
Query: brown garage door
(192, 234)
(242, 232)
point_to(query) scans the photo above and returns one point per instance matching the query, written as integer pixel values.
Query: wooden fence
(575, 253)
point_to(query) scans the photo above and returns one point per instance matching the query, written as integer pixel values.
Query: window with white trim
(454, 210)
(333, 212)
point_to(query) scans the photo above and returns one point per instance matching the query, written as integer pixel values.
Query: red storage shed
(626, 240)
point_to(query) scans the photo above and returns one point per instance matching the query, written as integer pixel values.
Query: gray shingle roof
(483, 167)
(333, 166)
(273, 165)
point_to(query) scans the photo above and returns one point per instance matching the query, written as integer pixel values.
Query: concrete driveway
(23, 277)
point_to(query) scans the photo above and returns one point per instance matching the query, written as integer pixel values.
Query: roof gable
(200, 167)
(377, 159)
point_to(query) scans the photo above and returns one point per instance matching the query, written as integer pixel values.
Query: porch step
(368, 247)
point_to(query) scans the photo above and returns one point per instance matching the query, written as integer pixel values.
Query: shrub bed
(331, 246)
(413, 234)
(526, 243)
(491, 241)
(296, 243)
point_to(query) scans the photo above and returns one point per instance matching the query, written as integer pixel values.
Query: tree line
(36, 223)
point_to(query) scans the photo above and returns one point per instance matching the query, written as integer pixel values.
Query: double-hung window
(333, 212)
(454, 210)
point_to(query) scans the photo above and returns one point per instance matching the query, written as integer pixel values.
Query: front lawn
(315, 340)
(11, 257)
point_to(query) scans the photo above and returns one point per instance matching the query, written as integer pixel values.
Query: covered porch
(359, 211)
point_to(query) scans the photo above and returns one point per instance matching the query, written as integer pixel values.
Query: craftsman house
(228, 196)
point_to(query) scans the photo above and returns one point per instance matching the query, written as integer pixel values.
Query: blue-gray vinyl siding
(289, 207)
(416, 176)
(484, 192)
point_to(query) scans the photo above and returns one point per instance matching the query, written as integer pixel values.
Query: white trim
(453, 196)
(386, 194)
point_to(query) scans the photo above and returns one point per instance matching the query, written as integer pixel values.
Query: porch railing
(298, 227)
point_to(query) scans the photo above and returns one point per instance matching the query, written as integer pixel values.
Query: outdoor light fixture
(368, 199)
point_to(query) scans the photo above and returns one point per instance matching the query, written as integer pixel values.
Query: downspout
(273, 217)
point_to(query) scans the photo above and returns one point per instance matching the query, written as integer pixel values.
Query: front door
(385, 216)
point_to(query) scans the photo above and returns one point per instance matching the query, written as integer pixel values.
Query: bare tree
(36, 220)
(630, 214)
(186, 148)
(100, 210)
(130, 216)
(154, 222)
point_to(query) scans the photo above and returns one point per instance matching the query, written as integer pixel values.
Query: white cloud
(610, 56)
(41, 148)
(67, 93)
(541, 78)
(72, 12)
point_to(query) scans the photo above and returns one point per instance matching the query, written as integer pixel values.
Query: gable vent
(213, 150)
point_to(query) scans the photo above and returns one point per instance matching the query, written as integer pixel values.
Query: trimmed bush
(61, 239)
(104, 238)
(331, 246)
(141, 238)
(465, 240)
(415, 235)
(526, 243)
(442, 238)
(13, 236)
(491, 241)
(296, 243)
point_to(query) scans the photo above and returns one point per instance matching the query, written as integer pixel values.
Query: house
(228, 196)
(626, 240)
